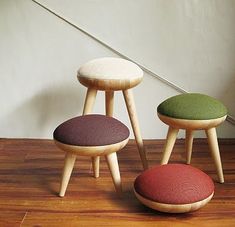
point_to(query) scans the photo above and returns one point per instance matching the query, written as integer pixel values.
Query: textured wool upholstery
(192, 106)
(174, 184)
(110, 68)
(91, 130)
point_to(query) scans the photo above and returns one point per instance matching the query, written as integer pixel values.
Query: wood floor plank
(11, 218)
(30, 172)
(115, 219)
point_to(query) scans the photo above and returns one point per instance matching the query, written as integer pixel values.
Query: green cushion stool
(192, 111)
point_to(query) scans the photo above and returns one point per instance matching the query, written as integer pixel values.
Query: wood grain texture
(92, 150)
(11, 218)
(215, 153)
(109, 102)
(173, 208)
(191, 124)
(89, 101)
(67, 170)
(119, 219)
(96, 166)
(30, 172)
(169, 144)
(188, 145)
(114, 170)
(110, 84)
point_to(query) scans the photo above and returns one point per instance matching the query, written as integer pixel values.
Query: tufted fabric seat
(174, 188)
(192, 111)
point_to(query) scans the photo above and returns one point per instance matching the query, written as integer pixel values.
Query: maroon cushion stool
(91, 135)
(174, 188)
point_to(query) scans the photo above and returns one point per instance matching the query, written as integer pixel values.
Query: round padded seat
(192, 106)
(174, 188)
(92, 130)
(110, 74)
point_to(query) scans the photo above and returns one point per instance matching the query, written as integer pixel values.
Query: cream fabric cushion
(110, 68)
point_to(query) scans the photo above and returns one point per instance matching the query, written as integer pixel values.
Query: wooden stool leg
(189, 145)
(114, 170)
(130, 104)
(214, 148)
(96, 166)
(68, 167)
(109, 99)
(169, 144)
(88, 106)
(89, 101)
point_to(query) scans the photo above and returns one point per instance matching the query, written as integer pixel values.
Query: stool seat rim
(109, 84)
(191, 124)
(175, 188)
(103, 78)
(92, 150)
(173, 208)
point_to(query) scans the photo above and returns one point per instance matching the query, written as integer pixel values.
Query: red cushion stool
(91, 135)
(174, 188)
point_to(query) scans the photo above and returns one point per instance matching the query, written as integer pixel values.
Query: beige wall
(189, 42)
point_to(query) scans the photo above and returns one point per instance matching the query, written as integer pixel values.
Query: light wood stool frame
(190, 125)
(173, 208)
(109, 151)
(109, 86)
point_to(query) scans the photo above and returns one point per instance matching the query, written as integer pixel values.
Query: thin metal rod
(229, 118)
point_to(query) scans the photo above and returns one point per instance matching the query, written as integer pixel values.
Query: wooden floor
(30, 174)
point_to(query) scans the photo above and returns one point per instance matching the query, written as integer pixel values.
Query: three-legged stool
(192, 112)
(91, 135)
(109, 75)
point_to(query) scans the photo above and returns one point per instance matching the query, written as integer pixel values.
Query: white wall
(189, 42)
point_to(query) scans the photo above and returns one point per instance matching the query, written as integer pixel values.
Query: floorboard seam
(23, 218)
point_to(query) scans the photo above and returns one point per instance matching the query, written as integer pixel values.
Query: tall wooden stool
(109, 75)
(192, 112)
(91, 135)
